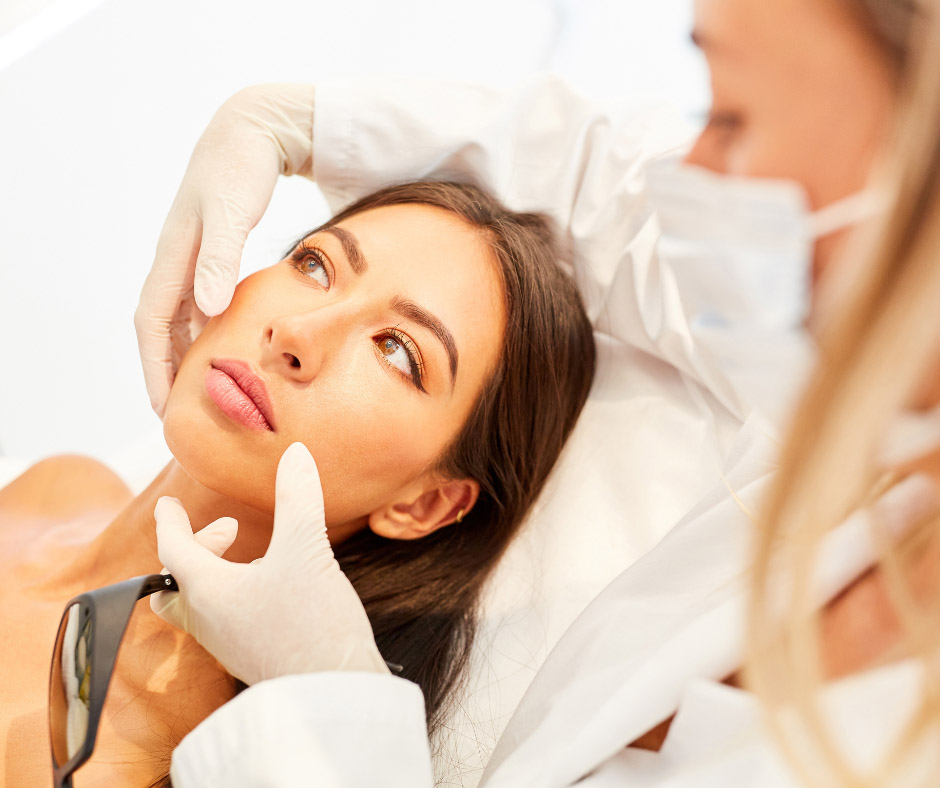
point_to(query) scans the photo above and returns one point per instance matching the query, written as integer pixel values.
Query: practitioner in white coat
(802, 90)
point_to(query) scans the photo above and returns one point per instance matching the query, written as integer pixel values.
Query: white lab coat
(657, 641)
(609, 680)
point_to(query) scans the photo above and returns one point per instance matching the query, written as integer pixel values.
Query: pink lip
(239, 393)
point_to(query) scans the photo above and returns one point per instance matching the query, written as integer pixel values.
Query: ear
(423, 512)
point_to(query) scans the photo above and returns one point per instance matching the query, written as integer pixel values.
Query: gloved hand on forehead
(292, 611)
(259, 133)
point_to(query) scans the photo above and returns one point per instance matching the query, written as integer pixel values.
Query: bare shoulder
(64, 485)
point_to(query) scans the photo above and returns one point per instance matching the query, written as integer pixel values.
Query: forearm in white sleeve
(324, 729)
(541, 147)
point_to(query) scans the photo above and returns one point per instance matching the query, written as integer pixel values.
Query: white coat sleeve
(324, 729)
(537, 148)
(540, 147)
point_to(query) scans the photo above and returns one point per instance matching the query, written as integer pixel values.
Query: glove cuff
(284, 113)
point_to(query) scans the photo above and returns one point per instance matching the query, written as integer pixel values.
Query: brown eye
(312, 264)
(316, 270)
(397, 350)
(396, 354)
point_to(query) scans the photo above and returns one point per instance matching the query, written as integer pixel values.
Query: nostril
(292, 360)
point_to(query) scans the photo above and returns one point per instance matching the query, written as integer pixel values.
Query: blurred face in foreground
(801, 90)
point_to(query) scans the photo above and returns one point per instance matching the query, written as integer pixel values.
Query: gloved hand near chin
(292, 611)
(259, 133)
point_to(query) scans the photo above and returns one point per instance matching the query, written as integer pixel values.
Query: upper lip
(249, 382)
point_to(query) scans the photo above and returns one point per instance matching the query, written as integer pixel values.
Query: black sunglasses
(86, 648)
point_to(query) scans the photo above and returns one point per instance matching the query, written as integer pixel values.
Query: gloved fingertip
(158, 378)
(298, 505)
(159, 407)
(298, 478)
(298, 456)
(297, 469)
(210, 301)
(167, 506)
(166, 605)
(218, 536)
(214, 286)
(157, 601)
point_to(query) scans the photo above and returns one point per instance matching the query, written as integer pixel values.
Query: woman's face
(371, 341)
(800, 90)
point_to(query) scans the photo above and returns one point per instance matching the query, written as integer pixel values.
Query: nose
(297, 345)
(706, 154)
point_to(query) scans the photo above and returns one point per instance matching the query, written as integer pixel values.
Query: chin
(212, 455)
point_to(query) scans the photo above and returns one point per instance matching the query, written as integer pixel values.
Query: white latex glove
(259, 133)
(293, 611)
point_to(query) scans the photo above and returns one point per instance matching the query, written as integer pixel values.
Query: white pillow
(648, 445)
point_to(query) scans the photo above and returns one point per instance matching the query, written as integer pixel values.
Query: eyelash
(417, 365)
(303, 254)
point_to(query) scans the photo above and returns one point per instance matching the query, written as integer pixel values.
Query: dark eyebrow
(424, 318)
(351, 247)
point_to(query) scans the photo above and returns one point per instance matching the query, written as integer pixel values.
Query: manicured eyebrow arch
(351, 247)
(424, 318)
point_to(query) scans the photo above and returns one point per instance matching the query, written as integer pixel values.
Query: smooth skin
(68, 524)
(374, 435)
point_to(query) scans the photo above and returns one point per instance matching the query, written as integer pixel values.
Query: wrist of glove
(259, 133)
(292, 611)
(279, 115)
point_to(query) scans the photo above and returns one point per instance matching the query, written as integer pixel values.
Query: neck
(128, 546)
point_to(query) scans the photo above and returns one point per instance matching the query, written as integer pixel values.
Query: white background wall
(98, 119)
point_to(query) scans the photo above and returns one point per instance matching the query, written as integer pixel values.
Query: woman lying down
(426, 347)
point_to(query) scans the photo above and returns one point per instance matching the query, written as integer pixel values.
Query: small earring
(460, 516)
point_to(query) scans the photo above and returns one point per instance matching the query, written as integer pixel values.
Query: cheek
(370, 448)
(235, 463)
(825, 135)
(370, 436)
(368, 451)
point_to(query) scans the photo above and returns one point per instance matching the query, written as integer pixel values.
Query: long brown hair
(875, 355)
(421, 595)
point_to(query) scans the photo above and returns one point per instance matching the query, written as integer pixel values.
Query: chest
(25, 652)
(163, 683)
(29, 618)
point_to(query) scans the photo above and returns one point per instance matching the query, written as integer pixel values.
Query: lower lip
(234, 402)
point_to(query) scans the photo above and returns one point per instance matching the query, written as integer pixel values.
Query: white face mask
(742, 248)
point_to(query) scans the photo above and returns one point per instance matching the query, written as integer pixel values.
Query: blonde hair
(874, 354)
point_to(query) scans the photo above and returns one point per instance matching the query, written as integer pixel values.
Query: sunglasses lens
(69, 684)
